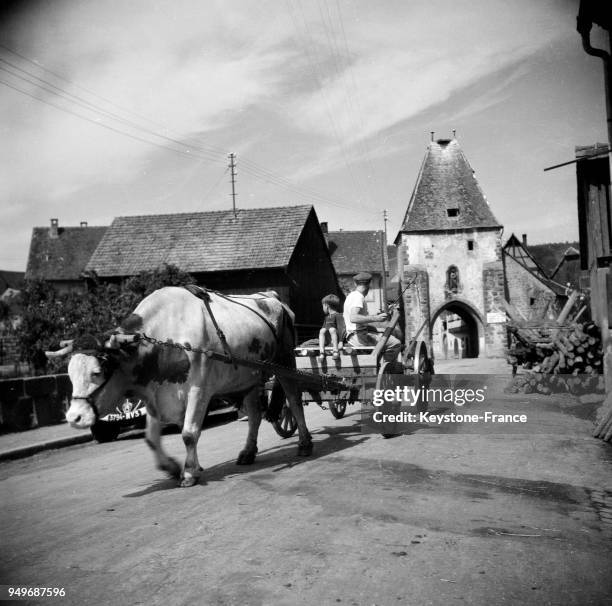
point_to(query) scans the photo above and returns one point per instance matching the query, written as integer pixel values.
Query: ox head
(94, 371)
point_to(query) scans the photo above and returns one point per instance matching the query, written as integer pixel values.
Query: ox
(176, 381)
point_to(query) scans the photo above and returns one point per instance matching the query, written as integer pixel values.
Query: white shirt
(354, 300)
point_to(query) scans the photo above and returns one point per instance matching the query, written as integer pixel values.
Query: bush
(49, 317)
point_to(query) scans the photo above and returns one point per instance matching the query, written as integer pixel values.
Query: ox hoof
(188, 481)
(305, 450)
(172, 468)
(246, 457)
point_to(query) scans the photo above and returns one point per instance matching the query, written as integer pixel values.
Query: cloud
(167, 69)
(407, 61)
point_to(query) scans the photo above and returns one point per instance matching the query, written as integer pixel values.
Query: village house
(536, 292)
(59, 255)
(353, 252)
(245, 251)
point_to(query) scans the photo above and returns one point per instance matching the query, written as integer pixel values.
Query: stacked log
(573, 350)
(546, 384)
(604, 427)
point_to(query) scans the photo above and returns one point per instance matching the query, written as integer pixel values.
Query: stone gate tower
(450, 246)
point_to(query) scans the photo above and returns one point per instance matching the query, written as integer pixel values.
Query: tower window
(470, 244)
(452, 212)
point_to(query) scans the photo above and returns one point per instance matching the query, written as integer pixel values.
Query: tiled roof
(525, 256)
(11, 279)
(551, 254)
(355, 251)
(446, 183)
(560, 261)
(201, 242)
(63, 257)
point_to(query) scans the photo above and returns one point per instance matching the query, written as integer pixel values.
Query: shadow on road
(281, 457)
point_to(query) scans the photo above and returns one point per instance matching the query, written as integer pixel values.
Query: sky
(111, 108)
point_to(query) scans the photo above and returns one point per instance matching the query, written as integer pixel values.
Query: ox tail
(277, 400)
(285, 356)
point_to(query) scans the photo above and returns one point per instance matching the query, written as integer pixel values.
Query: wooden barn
(281, 249)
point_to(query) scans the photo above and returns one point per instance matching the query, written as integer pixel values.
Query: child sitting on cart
(333, 325)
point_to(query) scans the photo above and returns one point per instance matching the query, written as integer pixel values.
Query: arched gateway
(449, 251)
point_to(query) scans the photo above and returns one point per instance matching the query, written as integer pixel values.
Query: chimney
(525, 240)
(83, 223)
(325, 231)
(54, 230)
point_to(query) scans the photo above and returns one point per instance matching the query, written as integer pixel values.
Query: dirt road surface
(432, 517)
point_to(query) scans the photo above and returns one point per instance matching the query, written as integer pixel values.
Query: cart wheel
(337, 408)
(286, 425)
(385, 381)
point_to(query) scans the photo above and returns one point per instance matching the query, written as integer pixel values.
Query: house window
(470, 244)
(452, 212)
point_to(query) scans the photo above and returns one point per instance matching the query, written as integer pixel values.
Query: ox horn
(118, 339)
(66, 347)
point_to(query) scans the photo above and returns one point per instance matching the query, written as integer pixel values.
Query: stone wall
(528, 294)
(33, 402)
(476, 254)
(9, 348)
(493, 294)
(437, 251)
(416, 302)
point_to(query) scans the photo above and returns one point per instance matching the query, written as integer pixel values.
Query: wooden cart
(354, 374)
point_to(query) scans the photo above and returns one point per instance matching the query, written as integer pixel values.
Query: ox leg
(197, 404)
(153, 440)
(294, 397)
(253, 409)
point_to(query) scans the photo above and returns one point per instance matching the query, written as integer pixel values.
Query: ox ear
(66, 348)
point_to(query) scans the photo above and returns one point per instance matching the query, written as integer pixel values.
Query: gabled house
(251, 250)
(528, 285)
(358, 251)
(59, 255)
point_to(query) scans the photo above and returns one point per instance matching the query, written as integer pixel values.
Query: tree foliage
(50, 317)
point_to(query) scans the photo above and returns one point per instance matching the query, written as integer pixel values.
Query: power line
(205, 152)
(115, 130)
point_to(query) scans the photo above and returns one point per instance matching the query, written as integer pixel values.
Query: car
(131, 413)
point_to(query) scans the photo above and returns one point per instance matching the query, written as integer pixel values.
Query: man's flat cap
(364, 276)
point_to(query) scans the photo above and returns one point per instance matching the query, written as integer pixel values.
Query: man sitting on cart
(357, 318)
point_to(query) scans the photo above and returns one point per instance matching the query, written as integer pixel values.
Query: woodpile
(604, 427)
(546, 384)
(562, 355)
(574, 349)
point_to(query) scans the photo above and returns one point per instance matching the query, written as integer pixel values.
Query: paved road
(433, 517)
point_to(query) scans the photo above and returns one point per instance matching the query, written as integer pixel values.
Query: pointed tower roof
(446, 194)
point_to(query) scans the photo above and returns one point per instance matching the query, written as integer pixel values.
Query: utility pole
(385, 221)
(232, 167)
(384, 263)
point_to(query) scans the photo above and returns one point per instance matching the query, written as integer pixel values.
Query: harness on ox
(203, 294)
